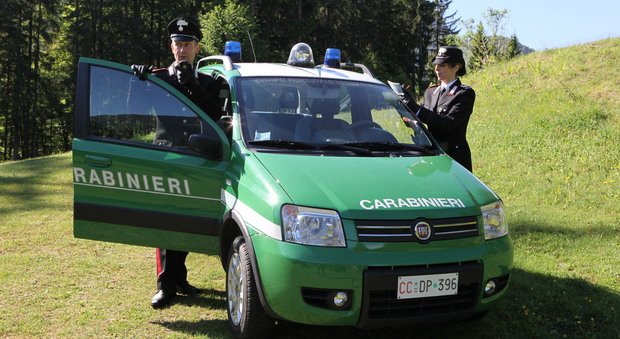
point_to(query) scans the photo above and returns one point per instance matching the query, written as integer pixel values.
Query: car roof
(284, 70)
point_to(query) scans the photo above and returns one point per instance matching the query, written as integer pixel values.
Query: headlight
(312, 226)
(494, 219)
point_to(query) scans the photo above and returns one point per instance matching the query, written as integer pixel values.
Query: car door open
(136, 181)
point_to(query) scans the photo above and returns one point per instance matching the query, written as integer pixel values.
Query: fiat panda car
(327, 200)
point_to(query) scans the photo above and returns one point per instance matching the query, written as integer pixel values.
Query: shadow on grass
(522, 228)
(207, 299)
(31, 181)
(535, 305)
(210, 328)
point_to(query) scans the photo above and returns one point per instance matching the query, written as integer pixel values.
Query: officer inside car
(447, 105)
(185, 37)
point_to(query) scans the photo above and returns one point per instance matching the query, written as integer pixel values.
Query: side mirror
(207, 145)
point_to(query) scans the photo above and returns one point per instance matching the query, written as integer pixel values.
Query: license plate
(422, 286)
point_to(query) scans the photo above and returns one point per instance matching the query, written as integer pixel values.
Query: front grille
(402, 230)
(380, 302)
(384, 305)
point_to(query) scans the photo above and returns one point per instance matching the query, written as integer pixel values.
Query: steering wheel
(356, 127)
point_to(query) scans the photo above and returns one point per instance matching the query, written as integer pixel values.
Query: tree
(480, 51)
(24, 94)
(513, 49)
(495, 19)
(42, 41)
(280, 24)
(444, 24)
(229, 21)
(443, 31)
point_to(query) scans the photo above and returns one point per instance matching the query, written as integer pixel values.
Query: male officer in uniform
(447, 105)
(185, 35)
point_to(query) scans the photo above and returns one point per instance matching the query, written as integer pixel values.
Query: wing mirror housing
(207, 145)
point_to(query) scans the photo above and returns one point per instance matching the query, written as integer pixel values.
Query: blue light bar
(233, 50)
(332, 58)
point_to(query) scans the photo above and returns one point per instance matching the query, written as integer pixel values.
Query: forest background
(41, 42)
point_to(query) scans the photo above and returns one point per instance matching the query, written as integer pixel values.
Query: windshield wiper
(279, 143)
(346, 147)
(393, 146)
(290, 144)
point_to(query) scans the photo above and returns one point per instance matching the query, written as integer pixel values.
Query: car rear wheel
(246, 316)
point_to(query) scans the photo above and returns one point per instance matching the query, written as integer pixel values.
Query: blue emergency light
(233, 50)
(332, 58)
(301, 56)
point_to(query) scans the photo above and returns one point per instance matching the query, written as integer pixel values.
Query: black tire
(246, 316)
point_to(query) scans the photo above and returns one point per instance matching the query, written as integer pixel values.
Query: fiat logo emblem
(422, 230)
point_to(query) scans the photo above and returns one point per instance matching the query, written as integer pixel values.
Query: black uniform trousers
(171, 269)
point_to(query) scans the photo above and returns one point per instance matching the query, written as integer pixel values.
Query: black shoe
(163, 298)
(186, 288)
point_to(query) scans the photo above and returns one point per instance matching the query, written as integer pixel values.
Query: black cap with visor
(450, 55)
(184, 30)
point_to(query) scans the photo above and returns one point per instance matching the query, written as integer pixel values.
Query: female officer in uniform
(447, 105)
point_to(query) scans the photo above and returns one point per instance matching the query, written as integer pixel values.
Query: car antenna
(252, 45)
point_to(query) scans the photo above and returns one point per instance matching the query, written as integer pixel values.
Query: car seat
(323, 126)
(289, 100)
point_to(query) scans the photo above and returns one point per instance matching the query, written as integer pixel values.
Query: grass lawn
(545, 135)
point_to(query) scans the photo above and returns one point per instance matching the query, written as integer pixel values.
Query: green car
(327, 200)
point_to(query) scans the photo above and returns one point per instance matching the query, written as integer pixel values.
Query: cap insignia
(181, 23)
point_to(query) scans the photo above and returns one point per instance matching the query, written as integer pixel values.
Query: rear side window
(125, 108)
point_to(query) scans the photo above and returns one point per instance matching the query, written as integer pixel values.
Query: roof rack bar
(224, 59)
(364, 69)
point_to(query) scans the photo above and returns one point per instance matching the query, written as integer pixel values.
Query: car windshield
(327, 114)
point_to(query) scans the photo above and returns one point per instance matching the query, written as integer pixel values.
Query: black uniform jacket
(447, 115)
(175, 130)
(202, 96)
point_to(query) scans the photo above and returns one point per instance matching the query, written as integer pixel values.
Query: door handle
(98, 161)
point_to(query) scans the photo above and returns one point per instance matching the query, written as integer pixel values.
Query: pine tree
(42, 41)
(24, 96)
(513, 49)
(480, 51)
(444, 24)
(443, 29)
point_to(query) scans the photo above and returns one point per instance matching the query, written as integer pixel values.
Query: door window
(125, 108)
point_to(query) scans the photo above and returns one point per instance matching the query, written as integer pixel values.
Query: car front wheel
(246, 316)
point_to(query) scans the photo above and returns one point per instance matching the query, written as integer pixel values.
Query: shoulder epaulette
(433, 85)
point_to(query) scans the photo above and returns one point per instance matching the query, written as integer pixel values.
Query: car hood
(379, 187)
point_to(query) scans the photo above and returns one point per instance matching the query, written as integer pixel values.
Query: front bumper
(369, 272)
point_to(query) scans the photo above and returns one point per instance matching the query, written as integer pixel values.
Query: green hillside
(545, 135)
(552, 120)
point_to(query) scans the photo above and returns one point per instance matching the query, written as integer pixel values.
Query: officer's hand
(142, 71)
(185, 76)
(408, 100)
